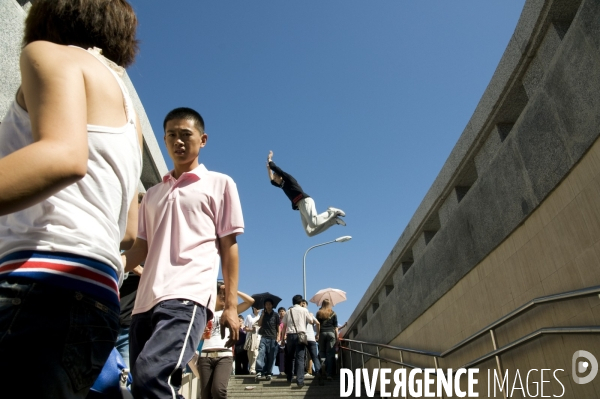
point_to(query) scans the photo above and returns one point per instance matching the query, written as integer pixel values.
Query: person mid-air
(313, 222)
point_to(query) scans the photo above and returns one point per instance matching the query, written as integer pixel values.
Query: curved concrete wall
(537, 118)
(12, 16)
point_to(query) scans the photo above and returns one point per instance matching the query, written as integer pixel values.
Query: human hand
(229, 319)
(270, 156)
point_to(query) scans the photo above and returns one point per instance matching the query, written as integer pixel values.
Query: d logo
(583, 366)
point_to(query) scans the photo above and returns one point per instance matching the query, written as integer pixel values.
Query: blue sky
(361, 101)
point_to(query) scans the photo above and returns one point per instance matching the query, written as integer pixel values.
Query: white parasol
(333, 294)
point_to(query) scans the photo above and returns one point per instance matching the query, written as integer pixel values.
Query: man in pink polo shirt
(187, 224)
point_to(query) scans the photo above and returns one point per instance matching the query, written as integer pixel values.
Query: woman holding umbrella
(328, 336)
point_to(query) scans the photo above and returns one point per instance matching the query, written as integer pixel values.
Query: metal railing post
(351, 354)
(402, 361)
(378, 360)
(498, 360)
(437, 366)
(362, 355)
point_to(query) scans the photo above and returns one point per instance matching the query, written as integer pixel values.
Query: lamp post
(339, 239)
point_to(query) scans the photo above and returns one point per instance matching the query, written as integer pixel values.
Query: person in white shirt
(311, 347)
(295, 321)
(216, 359)
(252, 338)
(70, 164)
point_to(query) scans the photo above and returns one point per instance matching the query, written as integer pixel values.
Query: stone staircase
(245, 386)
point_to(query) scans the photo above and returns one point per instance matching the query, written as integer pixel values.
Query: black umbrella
(259, 300)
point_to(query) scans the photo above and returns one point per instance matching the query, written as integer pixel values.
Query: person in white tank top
(70, 162)
(215, 362)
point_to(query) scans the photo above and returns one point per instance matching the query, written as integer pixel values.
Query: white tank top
(215, 341)
(87, 218)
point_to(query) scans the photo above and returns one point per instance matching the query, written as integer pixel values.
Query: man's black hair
(297, 300)
(185, 113)
(280, 309)
(267, 300)
(304, 301)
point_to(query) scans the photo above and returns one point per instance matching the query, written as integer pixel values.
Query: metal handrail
(531, 336)
(581, 293)
(412, 366)
(417, 351)
(590, 291)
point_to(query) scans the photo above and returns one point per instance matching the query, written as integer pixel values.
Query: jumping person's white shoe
(340, 221)
(337, 211)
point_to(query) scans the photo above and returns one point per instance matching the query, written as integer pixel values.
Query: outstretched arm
(269, 159)
(269, 171)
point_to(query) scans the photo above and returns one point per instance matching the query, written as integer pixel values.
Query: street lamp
(339, 239)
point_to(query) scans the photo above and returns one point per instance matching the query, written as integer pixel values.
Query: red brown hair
(107, 24)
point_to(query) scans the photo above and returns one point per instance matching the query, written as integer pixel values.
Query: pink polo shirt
(181, 220)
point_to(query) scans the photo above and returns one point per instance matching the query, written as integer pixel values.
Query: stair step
(279, 388)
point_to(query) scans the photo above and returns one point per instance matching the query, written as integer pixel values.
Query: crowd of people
(273, 339)
(89, 264)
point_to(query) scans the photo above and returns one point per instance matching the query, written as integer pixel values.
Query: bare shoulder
(46, 51)
(43, 56)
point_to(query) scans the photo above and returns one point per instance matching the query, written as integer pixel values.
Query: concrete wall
(12, 16)
(518, 205)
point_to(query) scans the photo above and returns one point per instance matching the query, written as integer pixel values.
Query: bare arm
(268, 167)
(136, 255)
(55, 99)
(260, 319)
(248, 301)
(230, 266)
(132, 224)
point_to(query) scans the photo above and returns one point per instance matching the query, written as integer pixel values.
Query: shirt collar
(198, 172)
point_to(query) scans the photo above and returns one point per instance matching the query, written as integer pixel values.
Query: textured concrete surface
(154, 166)
(11, 33)
(535, 121)
(556, 249)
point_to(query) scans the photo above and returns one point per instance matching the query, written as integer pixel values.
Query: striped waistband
(65, 270)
